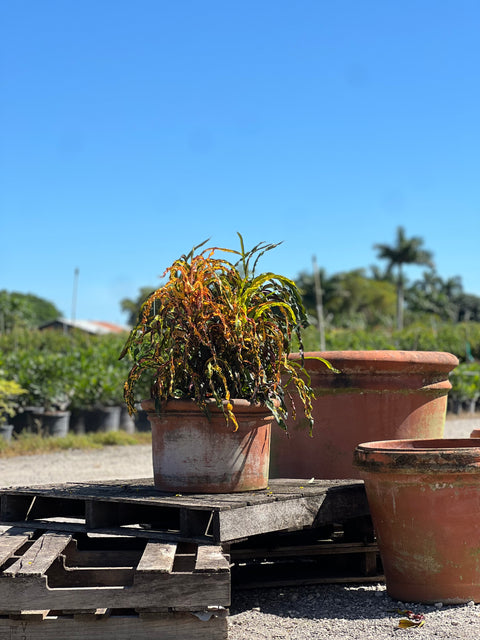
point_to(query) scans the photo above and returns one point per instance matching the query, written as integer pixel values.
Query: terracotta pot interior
(436, 444)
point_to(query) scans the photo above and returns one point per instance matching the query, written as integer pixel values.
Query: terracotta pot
(378, 395)
(424, 498)
(192, 453)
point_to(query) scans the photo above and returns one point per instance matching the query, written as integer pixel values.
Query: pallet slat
(170, 626)
(41, 555)
(211, 559)
(157, 557)
(11, 539)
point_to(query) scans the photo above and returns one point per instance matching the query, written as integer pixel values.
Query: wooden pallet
(138, 509)
(68, 571)
(301, 559)
(113, 625)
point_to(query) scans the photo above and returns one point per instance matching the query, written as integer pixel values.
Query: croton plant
(217, 330)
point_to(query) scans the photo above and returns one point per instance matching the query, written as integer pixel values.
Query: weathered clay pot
(192, 453)
(424, 498)
(378, 395)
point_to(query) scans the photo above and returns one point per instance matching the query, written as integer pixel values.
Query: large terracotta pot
(378, 395)
(424, 498)
(196, 454)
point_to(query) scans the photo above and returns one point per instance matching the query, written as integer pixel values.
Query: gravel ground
(353, 612)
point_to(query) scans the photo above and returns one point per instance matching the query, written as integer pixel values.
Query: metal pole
(75, 289)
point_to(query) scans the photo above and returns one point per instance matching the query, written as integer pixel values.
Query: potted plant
(98, 386)
(48, 378)
(214, 342)
(465, 387)
(10, 391)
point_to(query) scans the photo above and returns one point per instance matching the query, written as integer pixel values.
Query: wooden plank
(327, 548)
(143, 492)
(342, 503)
(11, 540)
(88, 616)
(38, 559)
(157, 557)
(30, 615)
(260, 583)
(193, 591)
(276, 516)
(211, 559)
(60, 577)
(171, 626)
(101, 558)
(131, 532)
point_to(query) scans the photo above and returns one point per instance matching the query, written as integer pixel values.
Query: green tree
(433, 295)
(350, 299)
(132, 306)
(359, 301)
(24, 311)
(405, 251)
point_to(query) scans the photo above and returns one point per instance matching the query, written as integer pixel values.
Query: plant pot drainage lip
(185, 405)
(392, 360)
(418, 445)
(435, 455)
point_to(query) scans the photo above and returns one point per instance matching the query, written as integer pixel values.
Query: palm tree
(404, 252)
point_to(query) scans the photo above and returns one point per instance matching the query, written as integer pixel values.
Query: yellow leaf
(404, 624)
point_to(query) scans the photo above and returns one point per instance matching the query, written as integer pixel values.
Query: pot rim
(432, 455)
(188, 404)
(386, 360)
(415, 445)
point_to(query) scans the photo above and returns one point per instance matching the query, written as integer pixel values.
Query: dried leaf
(405, 623)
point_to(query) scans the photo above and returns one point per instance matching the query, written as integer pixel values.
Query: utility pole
(319, 299)
(74, 298)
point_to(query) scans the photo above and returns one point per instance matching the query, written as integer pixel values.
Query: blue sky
(132, 131)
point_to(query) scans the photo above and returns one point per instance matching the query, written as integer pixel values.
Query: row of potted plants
(62, 377)
(465, 393)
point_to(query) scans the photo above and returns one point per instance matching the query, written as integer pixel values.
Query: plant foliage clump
(216, 331)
